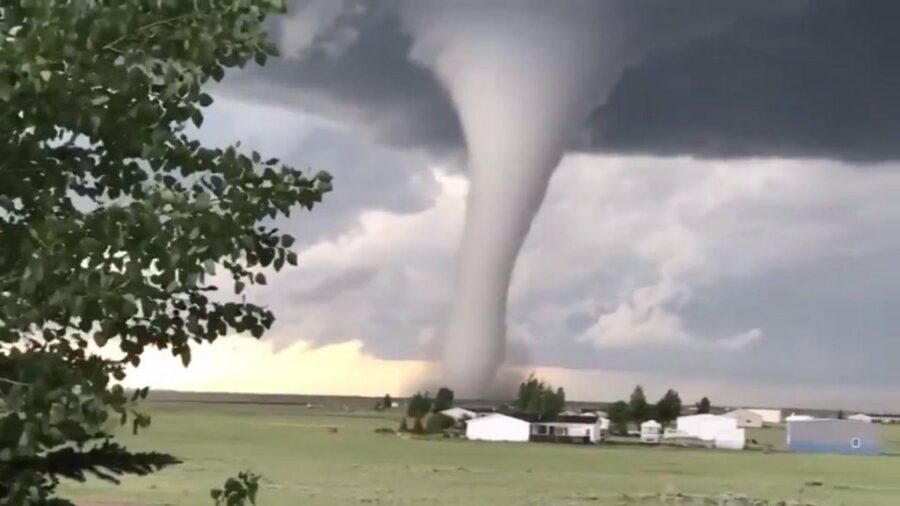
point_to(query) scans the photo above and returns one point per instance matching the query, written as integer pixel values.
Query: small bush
(404, 427)
(384, 430)
(240, 491)
(418, 428)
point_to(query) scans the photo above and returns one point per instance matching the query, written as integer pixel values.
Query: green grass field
(303, 464)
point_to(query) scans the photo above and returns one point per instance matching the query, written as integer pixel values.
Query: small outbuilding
(861, 417)
(746, 419)
(651, 432)
(497, 427)
(834, 436)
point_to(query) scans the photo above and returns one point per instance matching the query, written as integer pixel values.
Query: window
(539, 429)
(855, 442)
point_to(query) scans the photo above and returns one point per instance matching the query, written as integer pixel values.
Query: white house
(459, 414)
(578, 428)
(651, 432)
(746, 418)
(497, 427)
(861, 417)
(771, 416)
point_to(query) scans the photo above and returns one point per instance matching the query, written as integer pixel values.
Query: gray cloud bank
(711, 78)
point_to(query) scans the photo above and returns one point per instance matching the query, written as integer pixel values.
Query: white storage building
(746, 418)
(497, 427)
(722, 431)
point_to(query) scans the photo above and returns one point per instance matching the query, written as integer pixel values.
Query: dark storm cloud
(745, 79)
(367, 75)
(824, 82)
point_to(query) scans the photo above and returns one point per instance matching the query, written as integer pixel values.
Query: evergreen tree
(703, 407)
(668, 408)
(638, 407)
(443, 400)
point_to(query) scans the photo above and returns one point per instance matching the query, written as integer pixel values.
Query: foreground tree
(387, 402)
(668, 409)
(113, 220)
(443, 400)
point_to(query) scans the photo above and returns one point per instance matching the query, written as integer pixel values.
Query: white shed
(705, 427)
(861, 417)
(746, 418)
(497, 427)
(772, 416)
(459, 414)
(651, 431)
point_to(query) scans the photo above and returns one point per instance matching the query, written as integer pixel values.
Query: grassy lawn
(304, 464)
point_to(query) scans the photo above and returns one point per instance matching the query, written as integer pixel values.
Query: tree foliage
(443, 400)
(704, 406)
(619, 416)
(538, 397)
(387, 402)
(438, 423)
(638, 406)
(114, 219)
(668, 408)
(419, 405)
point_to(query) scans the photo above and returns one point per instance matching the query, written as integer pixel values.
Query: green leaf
(239, 287)
(287, 241)
(260, 278)
(100, 100)
(205, 100)
(292, 258)
(210, 267)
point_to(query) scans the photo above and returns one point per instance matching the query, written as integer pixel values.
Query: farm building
(651, 431)
(746, 418)
(497, 427)
(861, 417)
(572, 428)
(770, 416)
(834, 436)
(459, 414)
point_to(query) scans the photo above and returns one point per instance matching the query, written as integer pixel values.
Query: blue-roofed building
(834, 436)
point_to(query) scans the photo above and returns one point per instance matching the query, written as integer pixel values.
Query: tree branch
(111, 45)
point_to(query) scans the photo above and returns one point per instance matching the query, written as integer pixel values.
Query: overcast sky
(728, 221)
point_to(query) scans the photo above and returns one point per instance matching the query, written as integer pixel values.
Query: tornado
(521, 75)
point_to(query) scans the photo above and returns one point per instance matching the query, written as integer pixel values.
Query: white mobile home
(651, 432)
(497, 427)
(578, 428)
